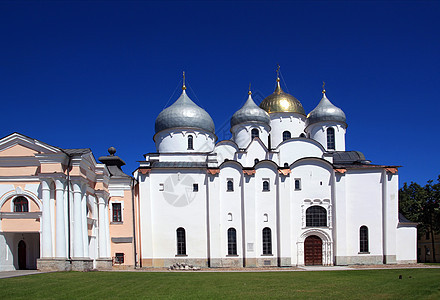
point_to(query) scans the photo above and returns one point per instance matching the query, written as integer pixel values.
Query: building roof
(184, 113)
(279, 101)
(250, 112)
(348, 157)
(326, 111)
(179, 164)
(113, 163)
(402, 219)
(79, 151)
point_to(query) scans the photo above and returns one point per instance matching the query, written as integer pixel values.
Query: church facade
(283, 191)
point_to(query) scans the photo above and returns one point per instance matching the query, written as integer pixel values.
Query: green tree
(421, 204)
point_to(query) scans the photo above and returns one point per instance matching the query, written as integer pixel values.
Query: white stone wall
(406, 242)
(295, 149)
(364, 207)
(177, 205)
(241, 134)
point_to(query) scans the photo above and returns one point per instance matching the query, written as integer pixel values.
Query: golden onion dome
(280, 101)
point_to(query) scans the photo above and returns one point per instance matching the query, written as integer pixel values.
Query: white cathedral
(283, 191)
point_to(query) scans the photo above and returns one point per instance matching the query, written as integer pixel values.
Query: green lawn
(359, 284)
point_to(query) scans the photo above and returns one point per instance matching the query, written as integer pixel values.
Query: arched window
(363, 239)
(316, 216)
(190, 142)
(265, 186)
(267, 241)
(286, 135)
(254, 133)
(302, 135)
(256, 161)
(230, 186)
(232, 241)
(21, 204)
(330, 139)
(181, 241)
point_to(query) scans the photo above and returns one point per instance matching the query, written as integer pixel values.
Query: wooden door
(22, 255)
(313, 251)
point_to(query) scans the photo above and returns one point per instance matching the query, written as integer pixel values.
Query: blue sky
(96, 74)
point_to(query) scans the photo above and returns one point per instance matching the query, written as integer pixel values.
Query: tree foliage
(421, 204)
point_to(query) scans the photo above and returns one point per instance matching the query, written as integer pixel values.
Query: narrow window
(267, 241)
(195, 187)
(229, 216)
(297, 184)
(265, 218)
(117, 212)
(190, 143)
(316, 216)
(265, 186)
(181, 241)
(256, 161)
(286, 135)
(21, 204)
(119, 258)
(232, 241)
(161, 187)
(254, 133)
(230, 186)
(363, 239)
(330, 139)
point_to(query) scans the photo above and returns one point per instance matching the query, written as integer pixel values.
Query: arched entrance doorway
(313, 251)
(22, 255)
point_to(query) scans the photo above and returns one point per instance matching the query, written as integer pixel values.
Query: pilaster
(46, 220)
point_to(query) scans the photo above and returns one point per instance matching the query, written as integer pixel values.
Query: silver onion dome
(184, 113)
(326, 111)
(250, 112)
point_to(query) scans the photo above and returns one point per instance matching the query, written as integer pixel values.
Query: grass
(358, 284)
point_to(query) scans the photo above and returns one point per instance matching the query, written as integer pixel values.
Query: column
(60, 220)
(107, 233)
(46, 222)
(101, 228)
(78, 249)
(85, 231)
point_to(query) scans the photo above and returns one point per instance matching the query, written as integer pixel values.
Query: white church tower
(327, 125)
(184, 127)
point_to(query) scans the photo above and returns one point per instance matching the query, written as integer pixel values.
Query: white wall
(241, 134)
(295, 149)
(176, 206)
(406, 240)
(364, 207)
(225, 151)
(230, 202)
